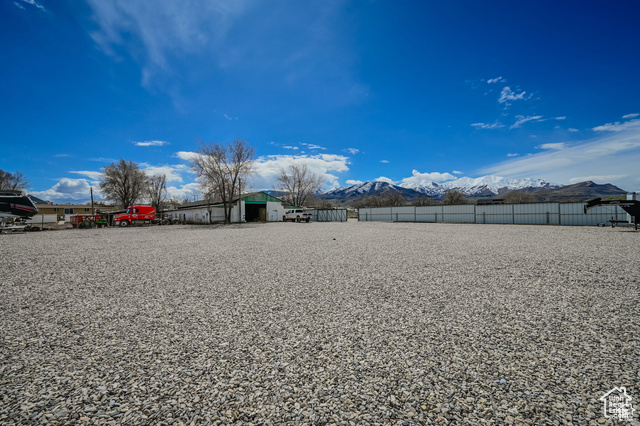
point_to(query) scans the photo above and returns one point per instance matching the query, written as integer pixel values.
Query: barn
(251, 207)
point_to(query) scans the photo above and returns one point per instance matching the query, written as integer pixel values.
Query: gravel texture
(347, 323)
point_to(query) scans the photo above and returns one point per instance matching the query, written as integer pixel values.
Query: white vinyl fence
(535, 213)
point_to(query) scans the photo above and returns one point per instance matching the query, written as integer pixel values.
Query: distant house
(53, 213)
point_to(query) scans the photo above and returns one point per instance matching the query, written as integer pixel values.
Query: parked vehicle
(88, 221)
(296, 215)
(135, 215)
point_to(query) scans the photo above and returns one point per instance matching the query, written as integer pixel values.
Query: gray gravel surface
(347, 323)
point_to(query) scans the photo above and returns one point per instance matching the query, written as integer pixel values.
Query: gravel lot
(348, 323)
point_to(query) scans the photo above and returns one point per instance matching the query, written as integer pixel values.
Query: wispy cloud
(90, 174)
(290, 147)
(495, 125)
(558, 145)
(353, 182)
(512, 154)
(507, 96)
(618, 126)
(561, 118)
(296, 48)
(627, 116)
(520, 120)
(228, 117)
(571, 129)
(352, 151)
(457, 172)
(33, 3)
(496, 80)
(613, 152)
(384, 161)
(312, 146)
(62, 155)
(151, 143)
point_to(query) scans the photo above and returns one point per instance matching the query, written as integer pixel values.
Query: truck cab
(135, 215)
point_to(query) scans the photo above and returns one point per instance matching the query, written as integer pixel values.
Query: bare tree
(454, 197)
(518, 197)
(223, 169)
(423, 201)
(123, 183)
(299, 184)
(12, 181)
(324, 205)
(392, 199)
(157, 191)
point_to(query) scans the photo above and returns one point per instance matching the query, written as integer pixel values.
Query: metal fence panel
(328, 215)
(534, 214)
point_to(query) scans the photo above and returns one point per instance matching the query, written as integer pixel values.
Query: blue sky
(360, 90)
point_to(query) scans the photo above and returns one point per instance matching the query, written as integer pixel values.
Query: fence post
(513, 213)
(415, 219)
(559, 215)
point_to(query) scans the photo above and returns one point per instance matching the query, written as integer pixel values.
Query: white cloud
(172, 172)
(384, 161)
(90, 174)
(184, 192)
(151, 143)
(561, 118)
(618, 126)
(571, 129)
(354, 182)
(267, 168)
(627, 116)
(507, 96)
(62, 155)
(290, 147)
(422, 179)
(186, 155)
(512, 155)
(495, 125)
(520, 120)
(613, 154)
(496, 80)
(68, 191)
(352, 151)
(558, 145)
(384, 179)
(456, 172)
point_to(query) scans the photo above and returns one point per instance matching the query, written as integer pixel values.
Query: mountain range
(482, 187)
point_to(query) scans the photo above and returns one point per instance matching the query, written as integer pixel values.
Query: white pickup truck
(296, 215)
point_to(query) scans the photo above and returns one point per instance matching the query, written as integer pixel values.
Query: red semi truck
(135, 215)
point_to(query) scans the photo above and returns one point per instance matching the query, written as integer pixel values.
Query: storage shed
(252, 207)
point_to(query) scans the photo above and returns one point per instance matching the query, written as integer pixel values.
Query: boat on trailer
(15, 208)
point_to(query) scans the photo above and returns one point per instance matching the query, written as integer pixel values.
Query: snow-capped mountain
(369, 188)
(485, 185)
